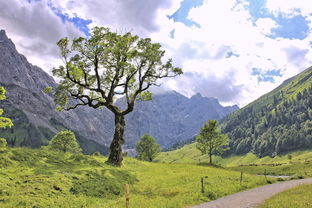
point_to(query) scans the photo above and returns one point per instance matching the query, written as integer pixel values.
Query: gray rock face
(169, 117)
(25, 83)
(172, 117)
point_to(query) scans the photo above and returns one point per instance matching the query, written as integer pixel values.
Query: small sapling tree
(210, 141)
(99, 69)
(65, 141)
(147, 148)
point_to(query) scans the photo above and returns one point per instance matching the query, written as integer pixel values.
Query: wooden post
(241, 177)
(127, 196)
(202, 184)
(265, 175)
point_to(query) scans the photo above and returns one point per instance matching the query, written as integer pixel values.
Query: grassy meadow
(294, 169)
(300, 164)
(299, 197)
(42, 178)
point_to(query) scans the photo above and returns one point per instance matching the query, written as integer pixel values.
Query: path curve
(253, 197)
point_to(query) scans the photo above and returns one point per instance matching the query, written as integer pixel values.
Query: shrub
(65, 141)
(147, 148)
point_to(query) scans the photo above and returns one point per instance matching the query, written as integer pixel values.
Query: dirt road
(253, 197)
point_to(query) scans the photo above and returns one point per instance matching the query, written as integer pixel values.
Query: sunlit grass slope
(294, 169)
(300, 164)
(190, 155)
(299, 197)
(40, 178)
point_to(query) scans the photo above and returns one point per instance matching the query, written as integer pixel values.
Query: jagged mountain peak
(4, 38)
(15, 69)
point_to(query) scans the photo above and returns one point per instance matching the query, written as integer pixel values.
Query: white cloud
(266, 25)
(229, 28)
(137, 16)
(35, 29)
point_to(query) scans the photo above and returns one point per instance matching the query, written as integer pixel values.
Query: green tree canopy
(99, 69)
(210, 141)
(147, 148)
(4, 122)
(65, 141)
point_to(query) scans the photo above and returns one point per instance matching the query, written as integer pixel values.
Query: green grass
(299, 166)
(301, 82)
(190, 155)
(296, 170)
(299, 197)
(41, 178)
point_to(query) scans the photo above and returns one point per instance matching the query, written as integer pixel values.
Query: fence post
(127, 196)
(241, 177)
(203, 184)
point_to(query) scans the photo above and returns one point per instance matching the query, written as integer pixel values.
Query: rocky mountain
(277, 122)
(32, 111)
(169, 117)
(172, 117)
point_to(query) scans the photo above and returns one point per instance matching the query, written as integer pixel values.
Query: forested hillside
(277, 122)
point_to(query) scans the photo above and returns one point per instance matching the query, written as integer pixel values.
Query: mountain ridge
(31, 109)
(277, 122)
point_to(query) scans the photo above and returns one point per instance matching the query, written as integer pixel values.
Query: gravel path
(253, 197)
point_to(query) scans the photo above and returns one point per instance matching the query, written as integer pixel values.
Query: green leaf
(47, 90)
(4, 122)
(145, 96)
(2, 93)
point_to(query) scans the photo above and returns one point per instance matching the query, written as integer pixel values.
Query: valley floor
(42, 178)
(297, 164)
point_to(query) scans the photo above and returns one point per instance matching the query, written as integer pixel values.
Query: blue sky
(181, 15)
(292, 27)
(80, 23)
(234, 50)
(266, 76)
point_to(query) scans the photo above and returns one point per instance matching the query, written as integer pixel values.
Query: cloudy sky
(234, 50)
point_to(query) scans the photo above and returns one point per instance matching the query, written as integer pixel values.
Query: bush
(147, 148)
(3, 142)
(65, 141)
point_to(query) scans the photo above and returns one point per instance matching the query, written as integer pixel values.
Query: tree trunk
(210, 153)
(115, 155)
